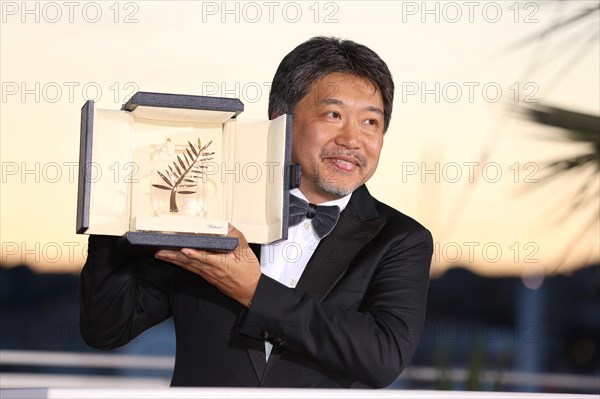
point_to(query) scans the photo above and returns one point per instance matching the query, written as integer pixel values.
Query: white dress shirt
(285, 261)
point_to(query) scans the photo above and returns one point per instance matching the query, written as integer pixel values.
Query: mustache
(354, 154)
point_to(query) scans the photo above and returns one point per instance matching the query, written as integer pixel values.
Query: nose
(348, 135)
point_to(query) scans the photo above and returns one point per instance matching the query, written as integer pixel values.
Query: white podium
(267, 393)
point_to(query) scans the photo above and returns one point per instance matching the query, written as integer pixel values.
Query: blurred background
(493, 146)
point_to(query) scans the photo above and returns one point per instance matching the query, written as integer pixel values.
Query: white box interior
(244, 181)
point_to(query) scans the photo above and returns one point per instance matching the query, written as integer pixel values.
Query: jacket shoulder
(398, 223)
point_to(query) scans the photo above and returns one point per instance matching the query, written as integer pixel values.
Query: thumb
(243, 249)
(233, 232)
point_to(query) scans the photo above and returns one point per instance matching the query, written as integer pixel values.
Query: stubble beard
(332, 188)
(327, 180)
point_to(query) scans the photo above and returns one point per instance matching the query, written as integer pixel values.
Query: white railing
(268, 393)
(78, 359)
(567, 382)
(514, 378)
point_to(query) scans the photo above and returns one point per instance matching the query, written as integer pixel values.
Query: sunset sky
(458, 157)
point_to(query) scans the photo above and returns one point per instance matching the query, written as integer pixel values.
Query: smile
(344, 164)
(341, 161)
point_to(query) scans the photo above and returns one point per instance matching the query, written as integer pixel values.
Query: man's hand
(236, 273)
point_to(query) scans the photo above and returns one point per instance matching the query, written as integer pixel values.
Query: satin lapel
(256, 351)
(335, 253)
(273, 357)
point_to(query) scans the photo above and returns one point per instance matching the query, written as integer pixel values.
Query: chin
(336, 189)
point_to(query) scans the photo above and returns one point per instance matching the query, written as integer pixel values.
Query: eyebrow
(335, 101)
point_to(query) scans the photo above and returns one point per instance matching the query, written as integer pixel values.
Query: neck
(318, 197)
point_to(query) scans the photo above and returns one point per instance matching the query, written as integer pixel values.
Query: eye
(334, 115)
(372, 122)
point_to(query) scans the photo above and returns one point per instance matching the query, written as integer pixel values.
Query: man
(345, 311)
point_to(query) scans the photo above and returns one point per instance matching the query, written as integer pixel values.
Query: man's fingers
(233, 232)
(194, 254)
(166, 254)
(184, 256)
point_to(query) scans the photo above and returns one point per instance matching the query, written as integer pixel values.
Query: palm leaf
(189, 168)
(578, 126)
(161, 187)
(193, 149)
(177, 169)
(547, 32)
(185, 170)
(169, 182)
(187, 152)
(184, 166)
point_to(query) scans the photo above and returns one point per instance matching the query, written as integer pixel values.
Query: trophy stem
(172, 202)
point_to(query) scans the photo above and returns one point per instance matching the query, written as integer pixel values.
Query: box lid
(183, 101)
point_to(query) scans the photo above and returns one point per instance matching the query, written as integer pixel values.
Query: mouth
(344, 163)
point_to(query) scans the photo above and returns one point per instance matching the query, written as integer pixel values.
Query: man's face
(337, 136)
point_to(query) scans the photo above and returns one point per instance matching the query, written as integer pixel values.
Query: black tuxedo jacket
(354, 319)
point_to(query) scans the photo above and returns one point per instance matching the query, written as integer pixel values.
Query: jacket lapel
(358, 224)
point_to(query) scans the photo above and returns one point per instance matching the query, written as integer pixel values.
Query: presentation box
(171, 171)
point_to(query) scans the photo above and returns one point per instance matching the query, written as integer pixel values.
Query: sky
(458, 156)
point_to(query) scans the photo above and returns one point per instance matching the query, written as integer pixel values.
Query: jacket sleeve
(120, 295)
(371, 344)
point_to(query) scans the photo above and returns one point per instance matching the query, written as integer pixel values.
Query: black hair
(320, 56)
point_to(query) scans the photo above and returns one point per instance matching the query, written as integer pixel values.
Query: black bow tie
(323, 217)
